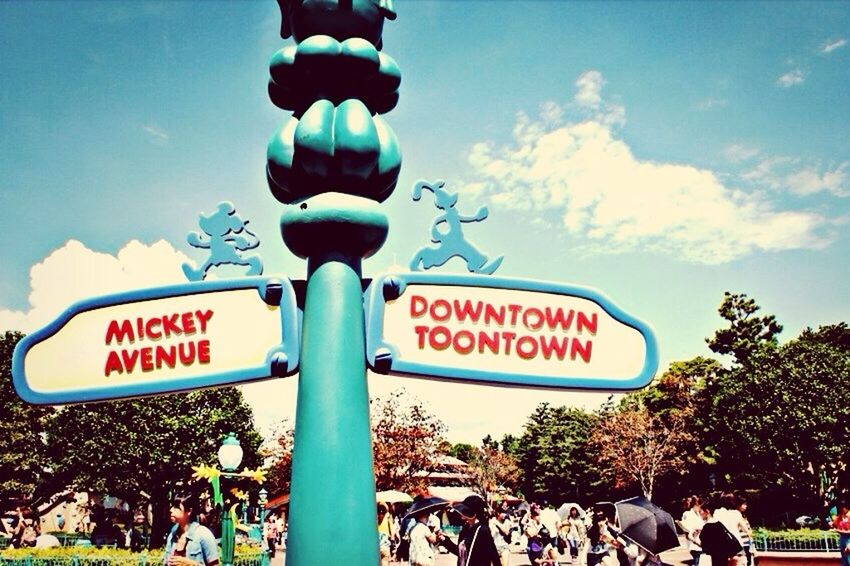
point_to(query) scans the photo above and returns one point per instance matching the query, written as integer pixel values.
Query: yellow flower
(257, 475)
(205, 472)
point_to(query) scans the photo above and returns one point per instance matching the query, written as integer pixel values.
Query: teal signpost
(331, 164)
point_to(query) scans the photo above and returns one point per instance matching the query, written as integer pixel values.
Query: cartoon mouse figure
(226, 236)
(451, 242)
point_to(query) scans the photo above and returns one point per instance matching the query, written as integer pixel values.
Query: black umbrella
(647, 524)
(429, 504)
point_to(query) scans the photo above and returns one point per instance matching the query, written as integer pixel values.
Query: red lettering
(203, 318)
(528, 353)
(447, 338)
(536, 312)
(140, 325)
(204, 351)
(113, 363)
(508, 337)
(467, 311)
(169, 325)
(447, 310)
(554, 345)
(187, 356)
(582, 350)
(147, 359)
(558, 318)
(188, 323)
(149, 328)
(166, 356)
(421, 331)
(119, 333)
(460, 349)
(490, 313)
(129, 359)
(514, 313)
(418, 306)
(583, 322)
(490, 341)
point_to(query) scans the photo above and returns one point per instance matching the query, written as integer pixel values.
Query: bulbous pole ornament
(331, 164)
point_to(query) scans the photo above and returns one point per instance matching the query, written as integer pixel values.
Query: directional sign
(511, 331)
(161, 340)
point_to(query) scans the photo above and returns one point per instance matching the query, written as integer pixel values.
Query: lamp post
(229, 457)
(264, 498)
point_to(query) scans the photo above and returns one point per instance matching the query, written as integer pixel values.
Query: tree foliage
(553, 455)
(787, 410)
(634, 446)
(149, 445)
(279, 459)
(746, 333)
(405, 441)
(24, 466)
(493, 470)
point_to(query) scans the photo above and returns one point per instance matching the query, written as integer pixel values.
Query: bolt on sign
(161, 340)
(509, 331)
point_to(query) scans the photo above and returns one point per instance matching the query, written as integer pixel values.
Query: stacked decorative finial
(336, 157)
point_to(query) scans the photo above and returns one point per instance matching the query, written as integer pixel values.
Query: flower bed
(92, 556)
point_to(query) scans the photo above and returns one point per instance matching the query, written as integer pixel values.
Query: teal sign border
(383, 357)
(280, 362)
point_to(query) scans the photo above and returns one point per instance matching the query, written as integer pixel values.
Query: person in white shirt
(728, 514)
(500, 530)
(692, 523)
(423, 541)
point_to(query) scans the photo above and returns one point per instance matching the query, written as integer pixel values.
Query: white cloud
(612, 201)
(788, 174)
(589, 86)
(830, 46)
(811, 180)
(74, 272)
(791, 78)
(158, 136)
(738, 152)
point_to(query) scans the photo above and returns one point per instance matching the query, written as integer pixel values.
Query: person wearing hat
(475, 545)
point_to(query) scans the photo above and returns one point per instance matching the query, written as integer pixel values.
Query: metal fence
(826, 542)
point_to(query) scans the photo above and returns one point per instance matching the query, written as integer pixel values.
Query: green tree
(787, 411)
(463, 451)
(149, 445)
(746, 332)
(24, 470)
(553, 455)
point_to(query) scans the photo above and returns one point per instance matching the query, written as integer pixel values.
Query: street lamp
(229, 457)
(230, 453)
(264, 498)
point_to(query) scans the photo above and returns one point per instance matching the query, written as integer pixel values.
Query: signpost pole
(331, 164)
(332, 517)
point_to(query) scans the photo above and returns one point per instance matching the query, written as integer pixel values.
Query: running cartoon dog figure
(226, 236)
(451, 242)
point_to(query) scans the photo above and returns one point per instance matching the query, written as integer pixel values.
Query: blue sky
(661, 152)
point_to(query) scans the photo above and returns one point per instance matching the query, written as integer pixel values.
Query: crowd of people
(716, 531)
(490, 534)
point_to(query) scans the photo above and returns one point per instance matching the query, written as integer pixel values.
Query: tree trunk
(161, 523)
